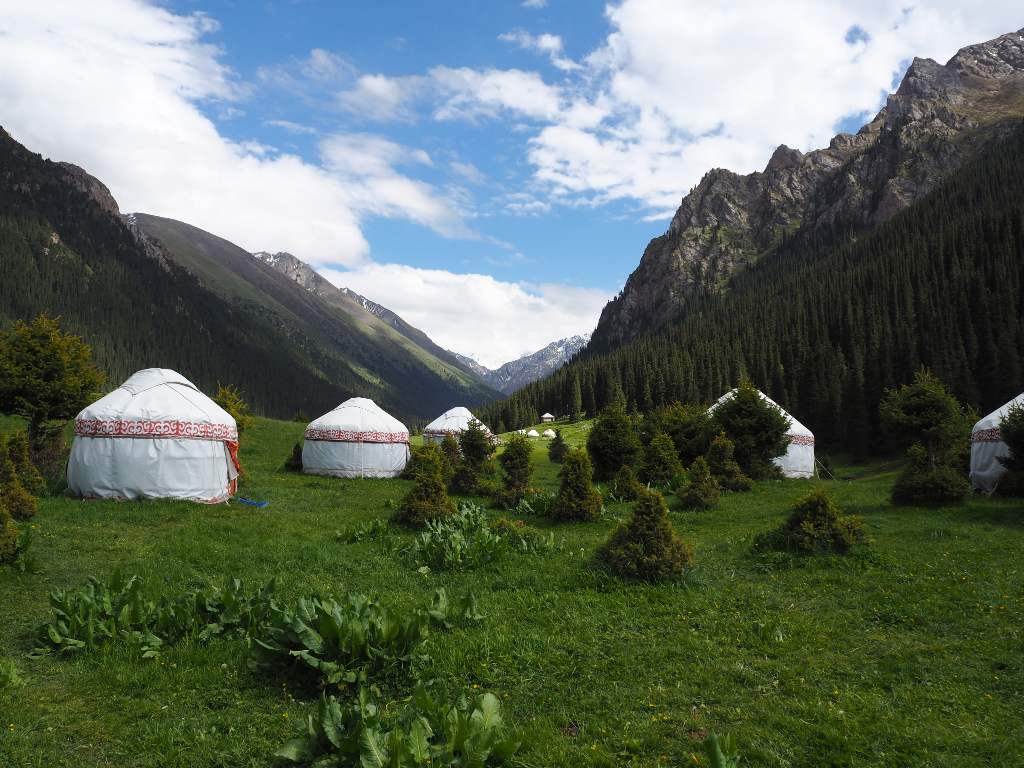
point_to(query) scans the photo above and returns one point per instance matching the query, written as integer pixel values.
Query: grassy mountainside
(198, 307)
(907, 655)
(410, 375)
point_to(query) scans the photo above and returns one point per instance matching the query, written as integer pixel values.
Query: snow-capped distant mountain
(518, 373)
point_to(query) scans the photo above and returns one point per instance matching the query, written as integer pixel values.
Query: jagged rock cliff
(516, 374)
(940, 116)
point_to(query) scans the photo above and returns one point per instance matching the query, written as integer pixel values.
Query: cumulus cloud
(472, 313)
(381, 98)
(116, 86)
(546, 44)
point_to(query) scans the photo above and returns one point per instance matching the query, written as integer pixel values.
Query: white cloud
(472, 313)
(377, 97)
(546, 44)
(534, 3)
(466, 93)
(116, 87)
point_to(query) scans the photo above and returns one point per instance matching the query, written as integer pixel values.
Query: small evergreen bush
(19, 502)
(724, 467)
(661, 462)
(452, 457)
(926, 484)
(1011, 428)
(231, 399)
(557, 448)
(646, 547)
(626, 486)
(816, 526)
(612, 442)
(577, 499)
(515, 465)
(757, 429)
(428, 498)
(701, 492)
(21, 460)
(294, 462)
(690, 427)
(8, 535)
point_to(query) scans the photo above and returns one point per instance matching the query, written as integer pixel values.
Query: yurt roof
(795, 427)
(452, 421)
(533, 433)
(358, 420)
(156, 402)
(549, 433)
(992, 420)
(547, 416)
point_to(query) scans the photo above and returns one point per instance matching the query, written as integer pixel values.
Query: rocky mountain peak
(940, 116)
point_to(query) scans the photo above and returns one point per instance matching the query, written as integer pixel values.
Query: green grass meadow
(909, 653)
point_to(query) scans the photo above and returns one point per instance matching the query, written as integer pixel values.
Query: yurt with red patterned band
(154, 437)
(452, 422)
(356, 439)
(798, 460)
(987, 447)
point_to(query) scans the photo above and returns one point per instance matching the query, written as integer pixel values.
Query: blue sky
(492, 172)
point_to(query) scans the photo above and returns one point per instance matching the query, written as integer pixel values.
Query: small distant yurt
(547, 418)
(356, 439)
(533, 433)
(548, 433)
(798, 460)
(154, 437)
(987, 447)
(452, 422)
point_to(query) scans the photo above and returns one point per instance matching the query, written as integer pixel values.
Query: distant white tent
(987, 447)
(798, 460)
(547, 417)
(356, 439)
(548, 433)
(533, 433)
(154, 437)
(452, 422)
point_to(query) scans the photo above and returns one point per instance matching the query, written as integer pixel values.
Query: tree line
(831, 319)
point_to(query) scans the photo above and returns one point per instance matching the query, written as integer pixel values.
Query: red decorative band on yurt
(801, 439)
(157, 429)
(351, 436)
(990, 435)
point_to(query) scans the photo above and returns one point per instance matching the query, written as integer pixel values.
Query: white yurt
(798, 460)
(548, 433)
(547, 418)
(356, 439)
(452, 422)
(154, 437)
(987, 447)
(533, 433)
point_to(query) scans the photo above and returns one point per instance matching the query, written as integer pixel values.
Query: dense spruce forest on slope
(65, 250)
(829, 320)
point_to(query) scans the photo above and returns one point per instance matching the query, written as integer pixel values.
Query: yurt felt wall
(154, 437)
(987, 447)
(356, 439)
(798, 460)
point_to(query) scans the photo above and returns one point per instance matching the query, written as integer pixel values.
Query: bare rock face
(96, 189)
(940, 116)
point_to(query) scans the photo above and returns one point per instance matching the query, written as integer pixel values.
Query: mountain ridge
(939, 116)
(515, 374)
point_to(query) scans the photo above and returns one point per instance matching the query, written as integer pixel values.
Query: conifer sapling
(701, 491)
(646, 547)
(576, 499)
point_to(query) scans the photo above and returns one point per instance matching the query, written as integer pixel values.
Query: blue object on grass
(252, 503)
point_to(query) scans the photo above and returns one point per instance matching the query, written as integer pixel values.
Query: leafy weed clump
(97, 614)
(459, 542)
(523, 538)
(323, 641)
(816, 526)
(646, 547)
(426, 732)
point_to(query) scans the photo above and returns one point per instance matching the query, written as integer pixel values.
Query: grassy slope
(909, 656)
